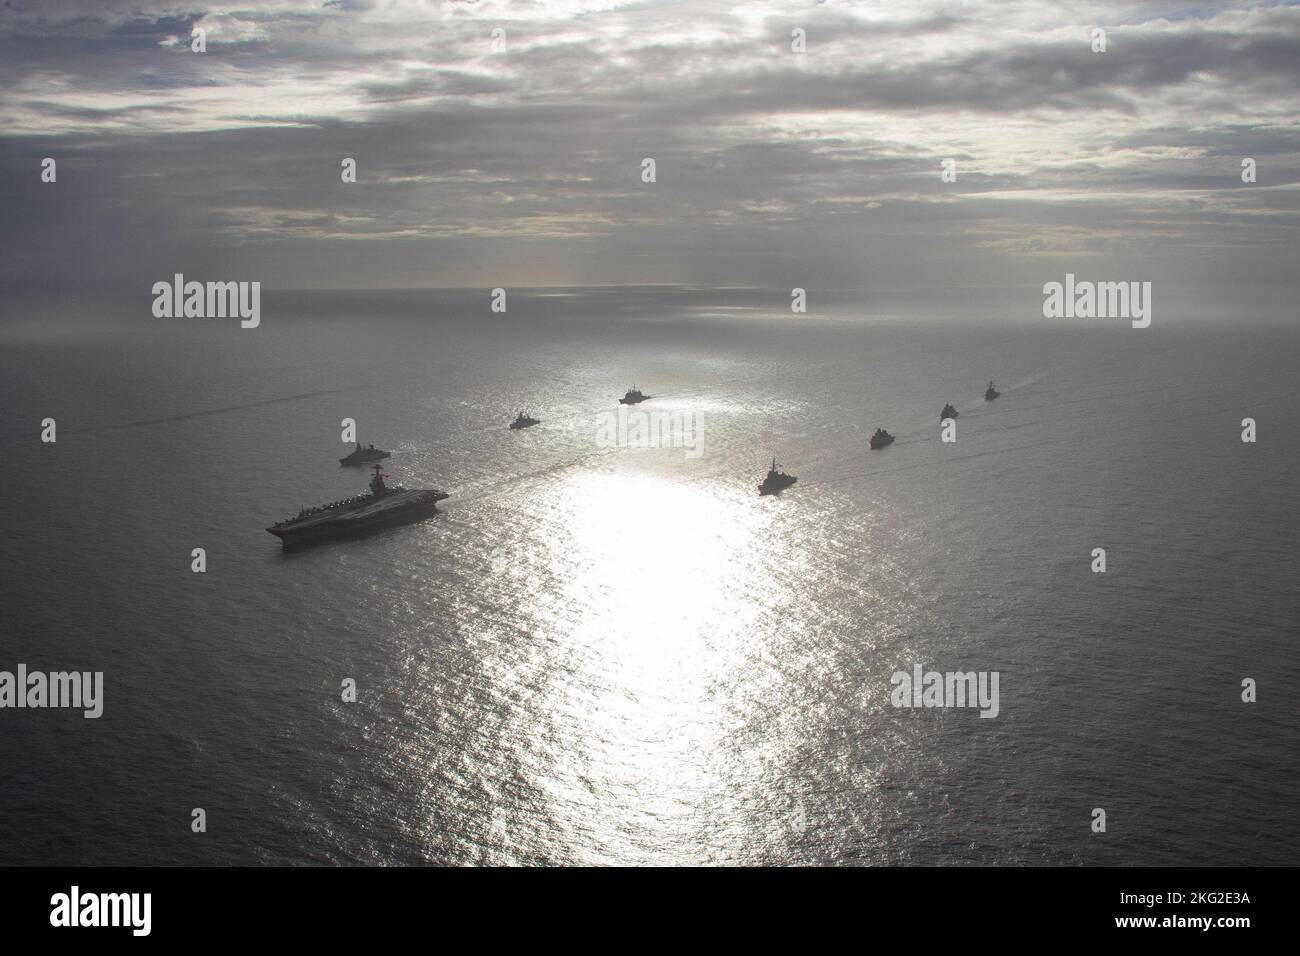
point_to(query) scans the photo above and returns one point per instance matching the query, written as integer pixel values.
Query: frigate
(776, 480)
(364, 456)
(525, 421)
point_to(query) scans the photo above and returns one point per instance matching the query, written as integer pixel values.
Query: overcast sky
(523, 167)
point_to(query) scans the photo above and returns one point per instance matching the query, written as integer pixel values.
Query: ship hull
(368, 459)
(393, 510)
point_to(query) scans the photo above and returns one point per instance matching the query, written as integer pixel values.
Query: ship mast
(377, 486)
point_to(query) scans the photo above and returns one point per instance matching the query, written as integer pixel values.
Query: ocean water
(598, 654)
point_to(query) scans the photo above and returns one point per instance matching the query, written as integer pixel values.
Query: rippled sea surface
(599, 654)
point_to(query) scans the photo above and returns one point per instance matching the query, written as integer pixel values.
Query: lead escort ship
(776, 480)
(880, 438)
(364, 456)
(361, 515)
(525, 421)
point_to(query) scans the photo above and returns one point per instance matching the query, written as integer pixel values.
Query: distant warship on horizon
(948, 412)
(525, 421)
(880, 439)
(364, 456)
(776, 480)
(633, 397)
(991, 393)
(358, 516)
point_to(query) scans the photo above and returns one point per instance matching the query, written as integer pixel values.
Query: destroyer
(948, 412)
(355, 517)
(633, 397)
(525, 421)
(991, 393)
(364, 456)
(881, 438)
(776, 480)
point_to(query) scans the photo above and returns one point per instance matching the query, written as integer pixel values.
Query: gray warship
(991, 393)
(634, 396)
(525, 421)
(776, 480)
(364, 456)
(358, 516)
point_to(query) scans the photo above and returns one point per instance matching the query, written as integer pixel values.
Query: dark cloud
(478, 167)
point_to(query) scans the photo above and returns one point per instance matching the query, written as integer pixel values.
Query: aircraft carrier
(356, 517)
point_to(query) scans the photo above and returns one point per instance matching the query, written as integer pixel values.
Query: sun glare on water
(658, 569)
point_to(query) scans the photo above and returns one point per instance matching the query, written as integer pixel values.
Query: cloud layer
(519, 166)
